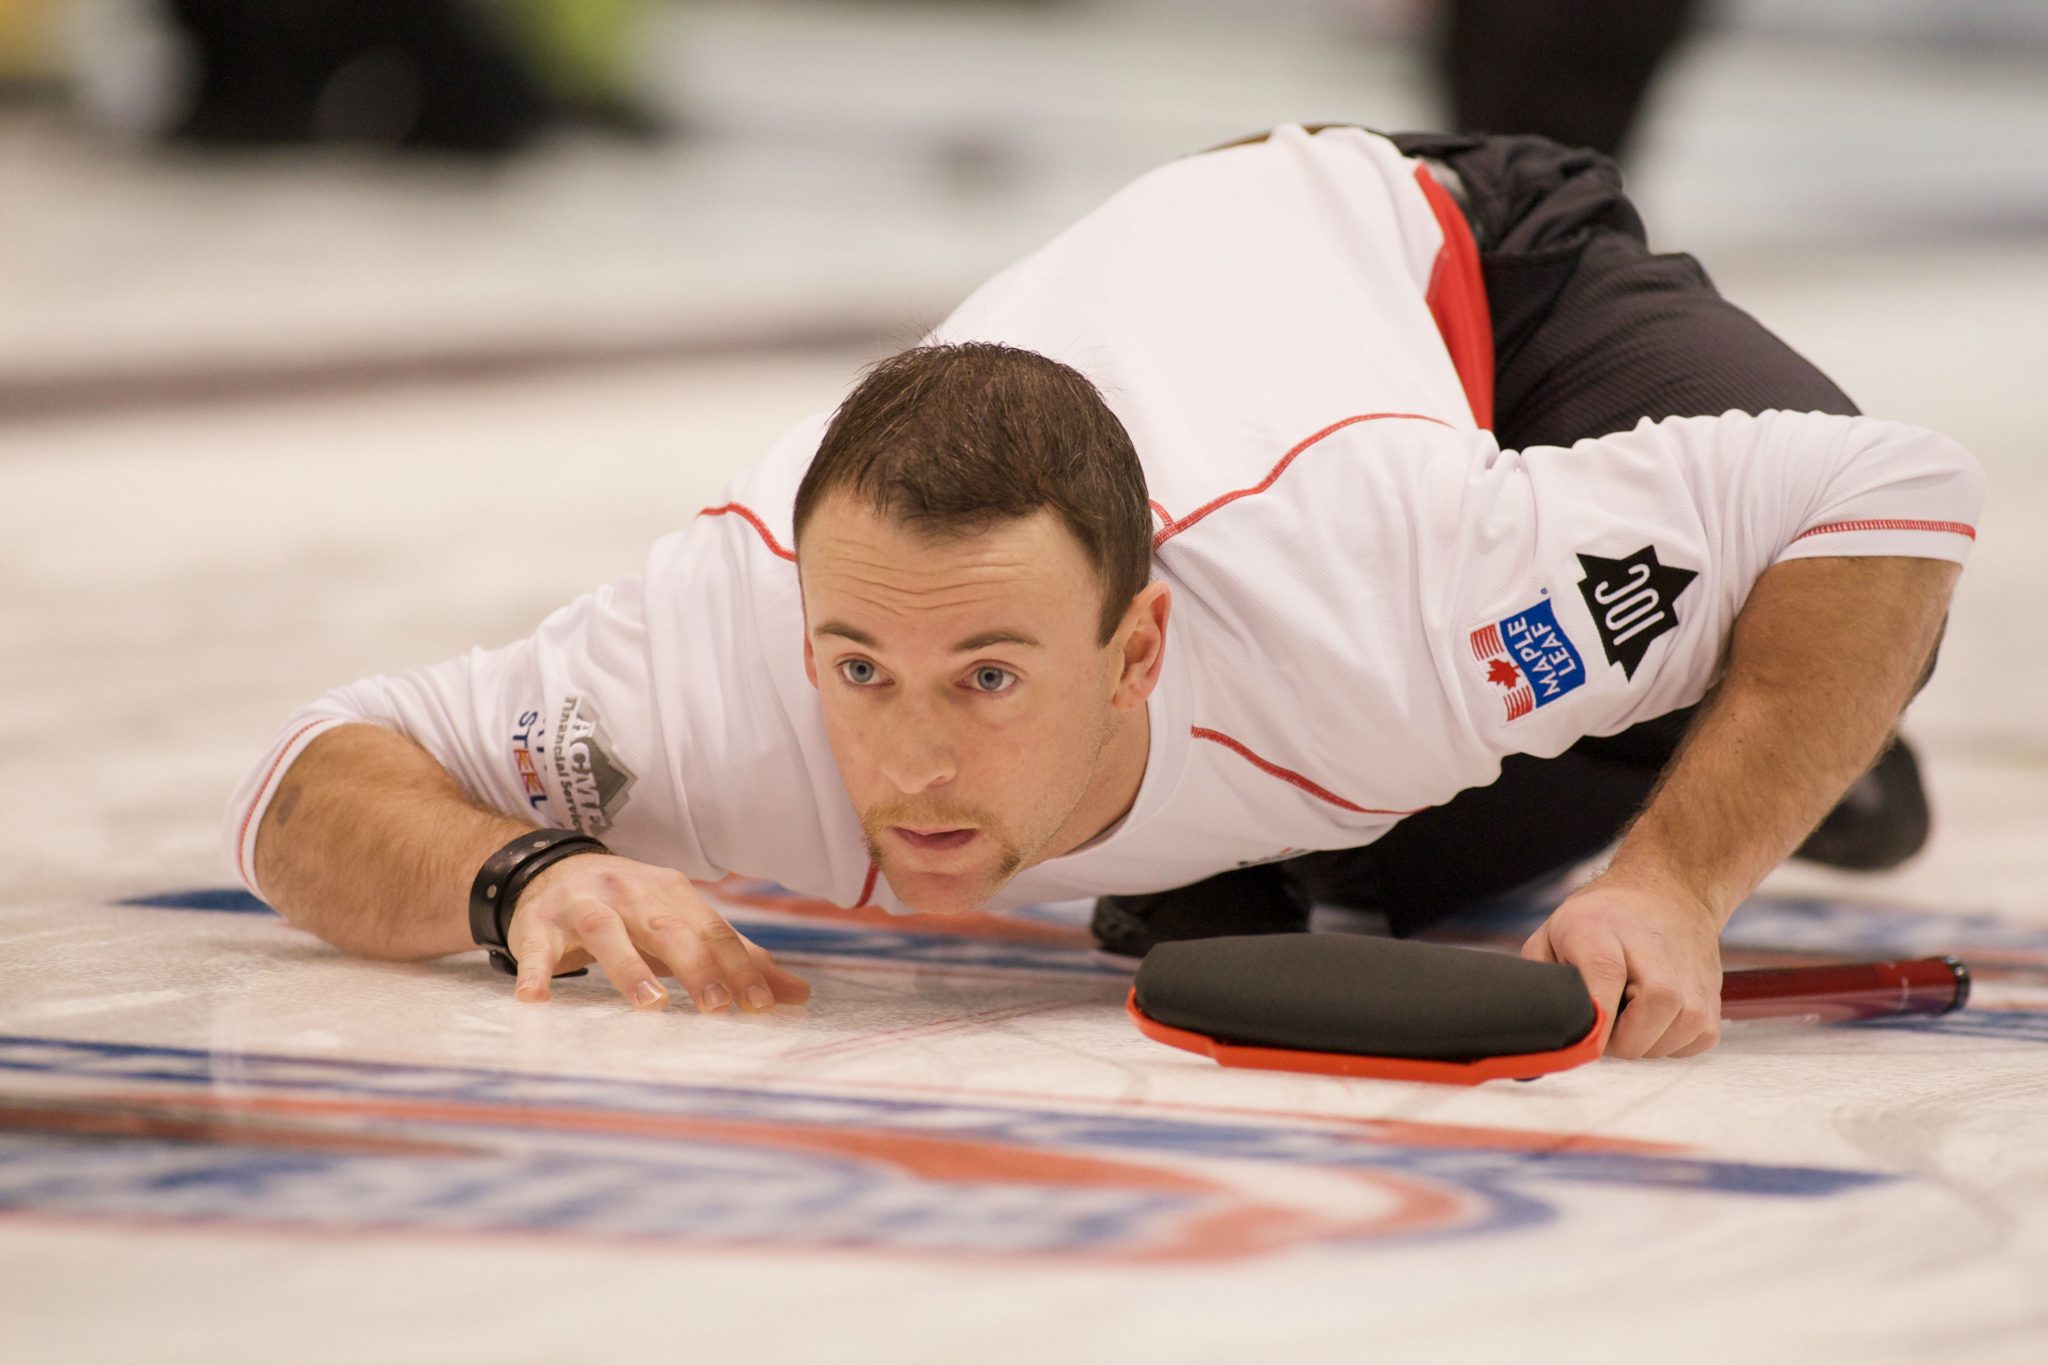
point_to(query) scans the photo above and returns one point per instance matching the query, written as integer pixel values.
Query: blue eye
(989, 678)
(859, 672)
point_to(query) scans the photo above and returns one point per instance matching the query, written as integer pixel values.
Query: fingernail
(759, 997)
(528, 989)
(715, 997)
(647, 993)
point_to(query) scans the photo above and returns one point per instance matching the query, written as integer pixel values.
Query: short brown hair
(960, 437)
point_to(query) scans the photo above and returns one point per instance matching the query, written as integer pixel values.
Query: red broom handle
(1846, 990)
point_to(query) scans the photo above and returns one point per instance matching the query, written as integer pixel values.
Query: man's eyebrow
(859, 637)
(996, 637)
(972, 642)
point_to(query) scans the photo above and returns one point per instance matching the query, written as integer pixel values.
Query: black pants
(1592, 332)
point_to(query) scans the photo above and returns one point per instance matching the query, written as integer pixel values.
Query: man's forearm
(1824, 657)
(371, 845)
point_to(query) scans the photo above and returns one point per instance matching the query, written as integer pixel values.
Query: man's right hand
(639, 923)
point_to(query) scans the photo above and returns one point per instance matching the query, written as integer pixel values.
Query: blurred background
(213, 197)
(336, 337)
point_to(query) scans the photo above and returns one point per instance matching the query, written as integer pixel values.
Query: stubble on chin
(1009, 862)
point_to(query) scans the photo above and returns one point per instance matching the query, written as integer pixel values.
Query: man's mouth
(934, 839)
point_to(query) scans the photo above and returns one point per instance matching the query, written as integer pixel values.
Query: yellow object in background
(28, 42)
(581, 49)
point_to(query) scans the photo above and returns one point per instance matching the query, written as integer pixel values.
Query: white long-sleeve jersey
(1373, 602)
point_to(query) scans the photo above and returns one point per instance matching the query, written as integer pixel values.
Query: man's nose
(916, 755)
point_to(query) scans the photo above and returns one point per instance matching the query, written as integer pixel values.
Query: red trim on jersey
(1457, 299)
(752, 519)
(1954, 528)
(867, 888)
(1164, 515)
(247, 868)
(1286, 775)
(1174, 528)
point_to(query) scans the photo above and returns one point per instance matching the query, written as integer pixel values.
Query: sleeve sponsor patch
(1529, 658)
(594, 782)
(526, 738)
(1632, 601)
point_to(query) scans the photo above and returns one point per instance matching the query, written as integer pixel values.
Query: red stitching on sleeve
(1174, 528)
(752, 519)
(1287, 775)
(1954, 528)
(248, 869)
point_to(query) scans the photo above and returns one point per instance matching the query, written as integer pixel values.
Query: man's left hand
(1655, 949)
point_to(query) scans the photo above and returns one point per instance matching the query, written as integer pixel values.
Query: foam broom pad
(1357, 1005)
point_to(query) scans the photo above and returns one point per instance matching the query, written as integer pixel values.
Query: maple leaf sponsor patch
(1528, 658)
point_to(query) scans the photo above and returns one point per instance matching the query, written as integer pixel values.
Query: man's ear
(1141, 646)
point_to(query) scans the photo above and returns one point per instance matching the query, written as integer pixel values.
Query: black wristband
(505, 874)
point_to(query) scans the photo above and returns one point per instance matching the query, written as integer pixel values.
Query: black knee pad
(1249, 900)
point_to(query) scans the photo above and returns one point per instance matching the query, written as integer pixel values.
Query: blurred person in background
(1574, 71)
(477, 77)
